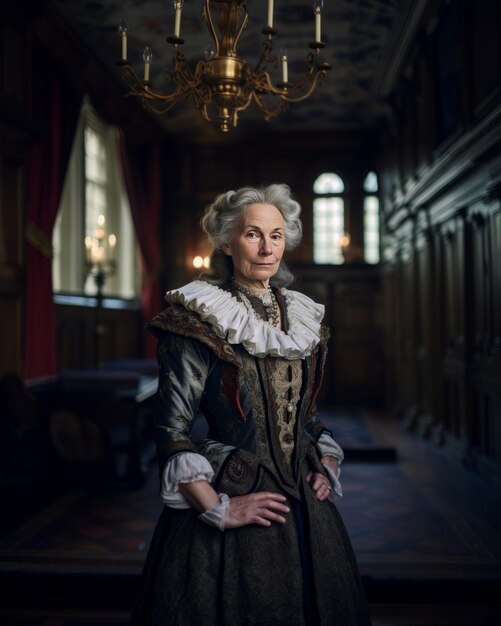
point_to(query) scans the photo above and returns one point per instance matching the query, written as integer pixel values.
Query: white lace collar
(234, 322)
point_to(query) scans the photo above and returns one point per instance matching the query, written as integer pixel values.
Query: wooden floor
(426, 533)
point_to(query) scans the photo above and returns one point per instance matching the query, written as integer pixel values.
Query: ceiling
(356, 33)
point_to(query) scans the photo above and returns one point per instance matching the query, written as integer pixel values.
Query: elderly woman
(249, 534)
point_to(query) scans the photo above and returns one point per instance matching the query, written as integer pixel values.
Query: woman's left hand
(320, 484)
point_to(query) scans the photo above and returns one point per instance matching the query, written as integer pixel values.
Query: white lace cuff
(215, 516)
(328, 447)
(337, 491)
(185, 467)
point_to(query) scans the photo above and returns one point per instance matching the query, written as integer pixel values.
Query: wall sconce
(344, 240)
(199, 262)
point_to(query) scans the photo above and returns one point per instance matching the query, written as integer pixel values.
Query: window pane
(371, 229)
(328, 228)
(370, 183)
(328, 183)
(95, 156)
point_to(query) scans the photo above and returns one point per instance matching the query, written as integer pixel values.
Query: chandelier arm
(204, 113)
(158, 110)
(160, 103)
(153, 102)
(179, 75)
(264, 59)
(262, 83)
(242, 26)
(131, 79)
(318, 76)
(244, 103)
(267, 112)
(206, 14)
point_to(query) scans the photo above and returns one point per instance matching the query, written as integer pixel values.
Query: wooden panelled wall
(87, 336)
(440, 166)
(16, 135)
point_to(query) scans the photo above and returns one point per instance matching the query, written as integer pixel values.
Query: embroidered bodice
(275, 373)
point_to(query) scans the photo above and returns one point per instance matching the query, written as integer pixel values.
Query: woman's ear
(226, 248)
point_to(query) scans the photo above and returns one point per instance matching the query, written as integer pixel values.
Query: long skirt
(301, 573)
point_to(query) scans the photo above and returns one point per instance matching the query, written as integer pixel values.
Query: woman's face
(258, 245)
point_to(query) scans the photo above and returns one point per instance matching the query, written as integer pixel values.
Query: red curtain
(46, 170)
(141, 167)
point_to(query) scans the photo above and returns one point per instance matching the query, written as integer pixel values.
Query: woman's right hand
(262, 508)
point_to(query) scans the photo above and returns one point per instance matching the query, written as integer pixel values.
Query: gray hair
(221, 219)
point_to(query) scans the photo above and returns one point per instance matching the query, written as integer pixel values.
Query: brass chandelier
(223, 80)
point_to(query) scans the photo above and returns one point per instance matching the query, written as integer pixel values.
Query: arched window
(371, 219)
(328, 219)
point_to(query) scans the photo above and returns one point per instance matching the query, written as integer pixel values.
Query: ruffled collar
(232, 321)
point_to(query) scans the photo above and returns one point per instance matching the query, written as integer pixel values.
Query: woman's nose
(265, 249)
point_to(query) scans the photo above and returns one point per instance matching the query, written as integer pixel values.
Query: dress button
(290, 408)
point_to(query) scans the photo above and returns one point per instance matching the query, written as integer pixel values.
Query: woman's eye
(252, 235)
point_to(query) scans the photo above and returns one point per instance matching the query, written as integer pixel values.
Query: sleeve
(184, 365)
(183, 368)
(328, 447)
(325, 445)
(314, 430)
(185, 467)
(337, 490)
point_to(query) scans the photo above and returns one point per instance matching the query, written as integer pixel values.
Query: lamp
(100, 263)
(100, 257)
(223, 80)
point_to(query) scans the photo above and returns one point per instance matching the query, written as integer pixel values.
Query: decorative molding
(438, 187)
(456, 161)
(402, 37)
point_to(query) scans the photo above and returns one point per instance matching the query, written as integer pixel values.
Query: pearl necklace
(268, 300)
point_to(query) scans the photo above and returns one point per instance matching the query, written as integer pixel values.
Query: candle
(177, 22)
(122, 29)
(88, 247)
(270, 13)
(285, 71)
(318, 10)
(147, 56)
(96, 254)
(345, 240)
